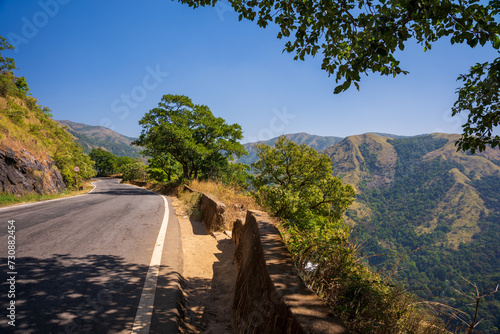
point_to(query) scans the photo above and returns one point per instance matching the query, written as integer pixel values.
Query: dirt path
(209, 274)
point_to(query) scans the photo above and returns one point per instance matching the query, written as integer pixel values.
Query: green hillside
(419, 193)
(36, 143)
(91, 137)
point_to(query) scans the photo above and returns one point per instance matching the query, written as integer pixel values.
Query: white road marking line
(146, 304)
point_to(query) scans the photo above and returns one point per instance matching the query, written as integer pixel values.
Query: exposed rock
(213, 212)
(21, 172)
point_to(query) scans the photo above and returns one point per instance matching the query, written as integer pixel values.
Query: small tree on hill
(6, 64)
(296, 183)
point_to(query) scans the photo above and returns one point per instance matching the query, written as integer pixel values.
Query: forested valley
(428, 215)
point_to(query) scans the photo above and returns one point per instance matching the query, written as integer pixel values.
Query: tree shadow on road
(64, 294)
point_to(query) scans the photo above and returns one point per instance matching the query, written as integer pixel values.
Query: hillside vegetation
(27, 128)
(420, 193)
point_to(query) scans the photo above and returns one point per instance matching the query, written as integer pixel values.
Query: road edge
(170, 303)
(47, 200)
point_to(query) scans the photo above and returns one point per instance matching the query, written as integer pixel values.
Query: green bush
(135, 171)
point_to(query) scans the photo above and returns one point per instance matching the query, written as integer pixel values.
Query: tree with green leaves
(163, 168)
(121, 161)
(134, 171)
(9, 84)
(6, 64)
(200, 142)
(359, 37)
(296, 183)
(105, 162)
(480, 98)
(67, 156)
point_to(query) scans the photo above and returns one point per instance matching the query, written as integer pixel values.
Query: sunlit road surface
(80, 263)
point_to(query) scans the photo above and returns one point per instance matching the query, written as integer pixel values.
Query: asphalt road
(81, 263)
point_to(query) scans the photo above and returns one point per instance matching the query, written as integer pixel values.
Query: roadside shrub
(135, 171)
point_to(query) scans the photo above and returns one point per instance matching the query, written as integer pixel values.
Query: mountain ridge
(92, 136)
(317, 142)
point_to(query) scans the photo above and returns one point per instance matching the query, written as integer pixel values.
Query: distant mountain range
(91, 137)
(317, 142)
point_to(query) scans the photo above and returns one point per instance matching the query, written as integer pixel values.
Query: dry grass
(234, 198)
(191, 204)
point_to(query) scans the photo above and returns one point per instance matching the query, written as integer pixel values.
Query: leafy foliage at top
(479, 97)
(6, 64)
(191, 135)
(359, 37)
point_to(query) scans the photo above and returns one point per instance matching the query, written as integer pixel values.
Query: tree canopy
(363, 36)
(296, 183)
(105, 161)
(6, 64)
(200, 142)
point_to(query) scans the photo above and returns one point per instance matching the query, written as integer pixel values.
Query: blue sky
(109, 62)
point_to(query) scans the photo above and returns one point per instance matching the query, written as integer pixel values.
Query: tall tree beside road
(105, 161)
(190, 134)
(363, 36)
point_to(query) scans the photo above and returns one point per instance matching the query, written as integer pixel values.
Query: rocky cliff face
(21, 172)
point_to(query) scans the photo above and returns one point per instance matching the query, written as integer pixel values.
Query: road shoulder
(209, 276)
(169, 298)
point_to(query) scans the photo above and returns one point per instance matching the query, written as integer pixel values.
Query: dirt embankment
(209, 276)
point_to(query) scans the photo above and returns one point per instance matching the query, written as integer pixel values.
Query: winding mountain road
(81, 263)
